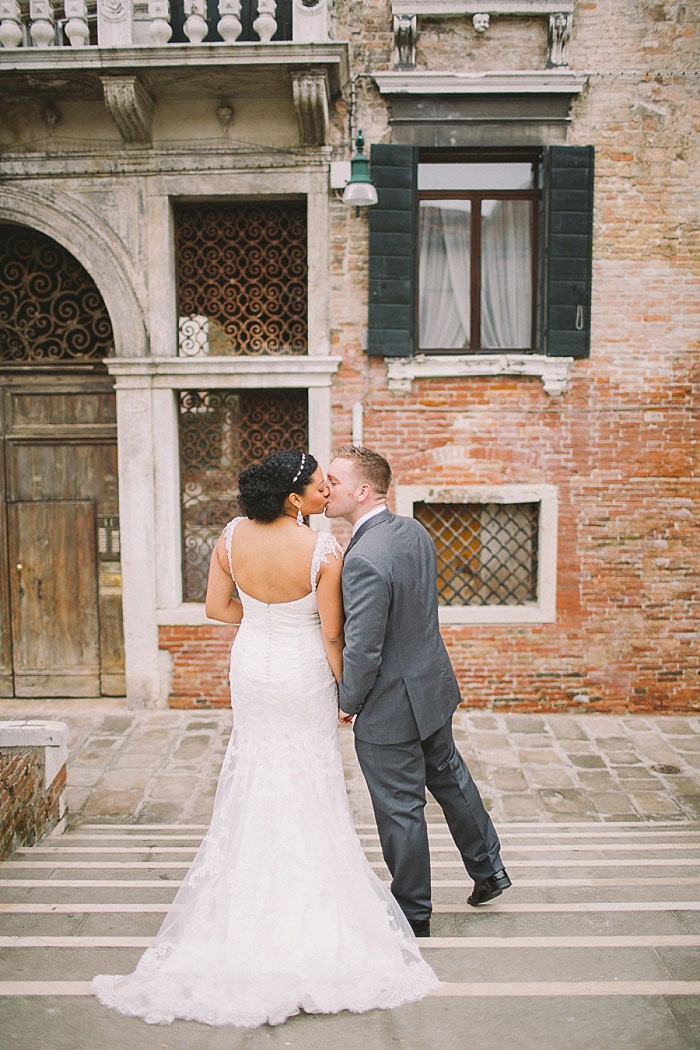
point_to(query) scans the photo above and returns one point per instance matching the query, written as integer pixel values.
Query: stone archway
(60, 592)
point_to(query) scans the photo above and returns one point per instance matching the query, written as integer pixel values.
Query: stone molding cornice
(518, 82)
(130, 107)
(190, 372)
(436, 8)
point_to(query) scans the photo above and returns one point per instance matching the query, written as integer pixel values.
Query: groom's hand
(345, 720)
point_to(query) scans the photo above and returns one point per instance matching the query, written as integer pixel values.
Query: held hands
(343, 719)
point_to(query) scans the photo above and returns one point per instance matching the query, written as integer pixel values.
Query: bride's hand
(345, 720)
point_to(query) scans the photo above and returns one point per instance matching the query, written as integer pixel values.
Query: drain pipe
(358, 423)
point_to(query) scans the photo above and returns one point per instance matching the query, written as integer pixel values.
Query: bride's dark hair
(263, 488)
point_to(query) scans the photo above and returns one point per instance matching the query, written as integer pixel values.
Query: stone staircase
(596, 945)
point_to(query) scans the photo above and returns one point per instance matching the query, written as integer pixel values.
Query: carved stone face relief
(481, 22)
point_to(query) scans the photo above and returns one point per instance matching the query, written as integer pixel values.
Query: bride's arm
(220, 603)
(330, 610)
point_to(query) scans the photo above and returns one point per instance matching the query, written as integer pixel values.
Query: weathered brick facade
(28, 809)
(621, 443)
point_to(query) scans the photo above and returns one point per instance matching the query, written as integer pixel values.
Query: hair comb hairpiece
(301, 467)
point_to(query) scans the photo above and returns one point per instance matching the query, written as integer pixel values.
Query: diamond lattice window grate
(486, 552)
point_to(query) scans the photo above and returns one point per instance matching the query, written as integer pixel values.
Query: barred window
(242, 285)
(221, 433)
(486, 552)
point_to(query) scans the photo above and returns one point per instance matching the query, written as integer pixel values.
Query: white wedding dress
(280, 911)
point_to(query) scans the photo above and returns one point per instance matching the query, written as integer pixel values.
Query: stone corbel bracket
(311, 93)
(130, 107)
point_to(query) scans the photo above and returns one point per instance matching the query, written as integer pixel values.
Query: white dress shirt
(365, 517)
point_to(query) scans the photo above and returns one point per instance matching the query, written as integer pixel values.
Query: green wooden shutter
(569, 250)
(392, 246)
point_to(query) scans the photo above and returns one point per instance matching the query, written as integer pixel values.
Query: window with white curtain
(477, 253)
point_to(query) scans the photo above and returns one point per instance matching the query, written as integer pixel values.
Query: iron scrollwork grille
(487, 553)
(221, 433)
(50, 308)
(242, 283)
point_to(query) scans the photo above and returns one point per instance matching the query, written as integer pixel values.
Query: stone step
(465, 964)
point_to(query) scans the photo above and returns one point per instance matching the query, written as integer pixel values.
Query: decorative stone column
(265, 25)
(10, 23)
(160, 29)
(114, 23)
(196, 27)
(76, 27)
(229, 25)
(138, 541)
(311, 21)
(43, 28)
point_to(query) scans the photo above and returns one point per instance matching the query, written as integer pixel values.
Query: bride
(280, 911)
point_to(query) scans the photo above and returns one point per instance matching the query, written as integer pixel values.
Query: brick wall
(200, 660)
(28, 808)
(621, 444)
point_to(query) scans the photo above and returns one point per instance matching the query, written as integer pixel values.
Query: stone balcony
(131, 53)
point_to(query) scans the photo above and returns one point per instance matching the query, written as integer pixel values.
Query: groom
(399, 683)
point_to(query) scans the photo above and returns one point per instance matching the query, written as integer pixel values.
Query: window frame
(534, 195)
(543, 610)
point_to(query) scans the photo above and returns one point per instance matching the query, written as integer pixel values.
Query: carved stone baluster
(195, 27)
(10, 23)
(558, 40)
(160, 29)
(229, 25)
(265, 25)
(404, 41)
(76, 27)
(43, 28)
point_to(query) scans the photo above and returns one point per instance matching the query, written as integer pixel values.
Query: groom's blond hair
(370, 466)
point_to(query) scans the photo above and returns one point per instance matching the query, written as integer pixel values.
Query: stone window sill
(555, 372)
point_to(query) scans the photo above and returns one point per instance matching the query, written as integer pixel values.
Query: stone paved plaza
(596, 945)
(161, 765)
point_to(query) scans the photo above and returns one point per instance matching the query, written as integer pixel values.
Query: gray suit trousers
(397, 776)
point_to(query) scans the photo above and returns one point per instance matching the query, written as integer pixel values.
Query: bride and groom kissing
(280, 912)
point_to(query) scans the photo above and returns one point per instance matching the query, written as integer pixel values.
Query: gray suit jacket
(397, 676)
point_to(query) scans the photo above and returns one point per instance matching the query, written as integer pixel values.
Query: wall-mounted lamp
(360, 190)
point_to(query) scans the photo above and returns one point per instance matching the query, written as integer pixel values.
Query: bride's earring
(300, 517)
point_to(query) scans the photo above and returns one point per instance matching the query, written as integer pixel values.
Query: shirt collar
(365, 517)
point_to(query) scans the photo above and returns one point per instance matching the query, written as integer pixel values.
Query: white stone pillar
(135, 429)
(10, 23)
(311, 21)
(320, 439)
(168, 554)
(318, 257)
(115, 21)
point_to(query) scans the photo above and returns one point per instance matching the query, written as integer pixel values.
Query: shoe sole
(491, 897)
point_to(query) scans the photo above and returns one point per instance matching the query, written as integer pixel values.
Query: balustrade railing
(123, 23)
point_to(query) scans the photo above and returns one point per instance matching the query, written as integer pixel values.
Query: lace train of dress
(280, 911)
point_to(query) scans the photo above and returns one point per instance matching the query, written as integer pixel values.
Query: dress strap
(326, 547)
(229, 530)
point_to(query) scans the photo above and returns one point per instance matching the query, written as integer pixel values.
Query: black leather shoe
(489, 888)
(420, 927)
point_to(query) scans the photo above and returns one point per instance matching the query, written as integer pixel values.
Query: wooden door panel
(55, 626)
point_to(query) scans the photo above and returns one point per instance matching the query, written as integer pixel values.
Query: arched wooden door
(60, 584)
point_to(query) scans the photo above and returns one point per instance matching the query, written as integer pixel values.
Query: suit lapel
(386, 515)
